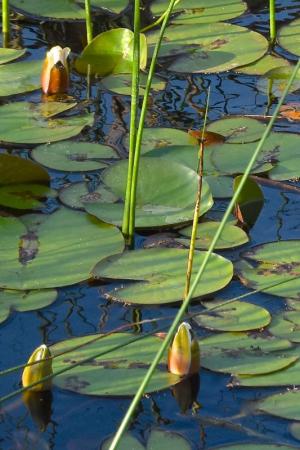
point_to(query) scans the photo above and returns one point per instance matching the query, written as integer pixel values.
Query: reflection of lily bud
(39, 405)
(36, 372)
(186, 392)
(55, 72)
(184, 353)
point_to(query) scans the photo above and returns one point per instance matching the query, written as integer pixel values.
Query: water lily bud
(55, 72)
(184, 353)
(36, 372)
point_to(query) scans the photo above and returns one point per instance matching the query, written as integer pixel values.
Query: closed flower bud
(42, 368)
(55, 72)
(184, 353)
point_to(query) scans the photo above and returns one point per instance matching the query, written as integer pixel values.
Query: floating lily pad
(271, 263)
(231, 236)
(111, 52)
(275, 81)
(238, 129)
(24, 196)
(160, 275)
(77, 195)
(289, 37)
(166, 194)
(10, 54)
(16, 170)
(236, 316)
(73, 156)
(295, 430)
(283, 147)
(285, 404)
(117, 373)
(23, 122)
(245, 446)
(11, 300)
(202, 11)
(220, 186)
(116, 6)
(121, 83)
(210, 48)
(158, 439)
(59, 251)
(20, 77)
(287, 326)
(56, 9)
(263, 65)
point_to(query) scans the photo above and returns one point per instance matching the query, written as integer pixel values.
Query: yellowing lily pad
(16, 170)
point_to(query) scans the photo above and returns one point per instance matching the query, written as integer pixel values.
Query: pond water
(225, 415)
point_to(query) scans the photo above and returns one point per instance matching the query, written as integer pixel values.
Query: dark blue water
(80, 422)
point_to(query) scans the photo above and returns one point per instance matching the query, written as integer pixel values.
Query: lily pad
(245, 446)
(166, 194)
(295, 430)
(73, 156)
(271, 263)
(24, 196)
(121, 83)
(56, 9)
(116, 6)
(289, 37)
(209, 48)
(111, 52)
(19, 77)
(284, 405)
(236, 316)
(77, 195)
(220, 186)
(238, 353)
(117, 373)
(287, 326)
(24, 122)
(263, 65)
(275, 80)
(160, 275)
(16, 170)
(11, 300)
(231, 236)
(238, 129)
(283, 148)
(158, 439)
(10, 54)
(202, 11)
(59, 251)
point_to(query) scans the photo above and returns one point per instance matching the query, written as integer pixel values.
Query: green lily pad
(285, 404)
(220, 186)
(263, 65)
(160, 275)
(16, 170)
(116, 6)
(271, 263)
(239, 353)
(111, 52)
(158, 439)
(19, 77)
(11, 300)
(24, 122)
(209, 48)
(231, 236)
(289, 37)
(236, 316)
(238, 129)
(73, 156)
(275, 80)
(24, 196)
(245, 446)
(287, 326)
(56, 9)
(77, 195)
(59, 251)
(202, 11)
(283, 148)
(116, 373)
(154, 138)
(295, 430)
(121, 83)
(165, 194)
(10, 54)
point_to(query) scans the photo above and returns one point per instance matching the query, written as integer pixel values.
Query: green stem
(133, 123)
(5, 21)
(140, 130)
(158, 21)
(125, 422)
(88, 21)
(272, 14)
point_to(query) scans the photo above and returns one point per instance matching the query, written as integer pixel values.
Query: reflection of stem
(5, 22)
(158, 21)
(270, 95)
(88, 82)
(197, 205)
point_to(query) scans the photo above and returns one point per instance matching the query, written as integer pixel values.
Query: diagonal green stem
(133, 121)
(140, 130)
(125, 422)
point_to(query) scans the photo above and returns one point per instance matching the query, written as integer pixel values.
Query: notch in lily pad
(249, 202)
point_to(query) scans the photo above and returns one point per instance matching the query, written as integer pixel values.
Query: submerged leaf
(249, 203)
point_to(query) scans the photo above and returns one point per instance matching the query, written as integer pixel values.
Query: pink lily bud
(184, 353)
(55, 72)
